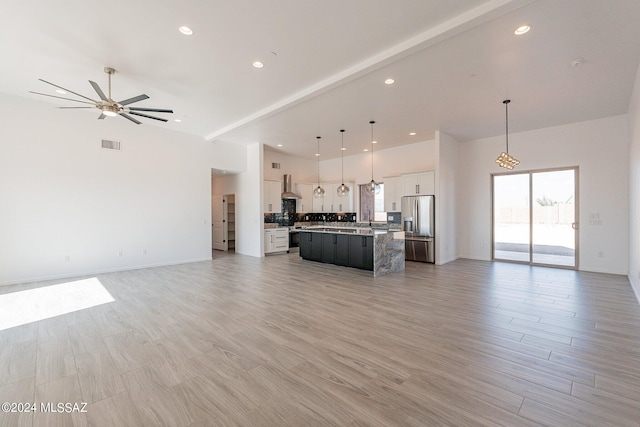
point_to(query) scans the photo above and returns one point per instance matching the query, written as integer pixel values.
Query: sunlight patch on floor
(20, 308)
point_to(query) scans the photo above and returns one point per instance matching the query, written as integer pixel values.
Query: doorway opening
(223, 222)
(534, 217)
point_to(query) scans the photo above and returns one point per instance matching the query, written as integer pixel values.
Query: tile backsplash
(286, 219)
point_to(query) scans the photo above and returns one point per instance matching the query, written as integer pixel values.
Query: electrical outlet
(119, 253)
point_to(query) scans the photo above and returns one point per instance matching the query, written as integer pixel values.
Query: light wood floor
(284, 342)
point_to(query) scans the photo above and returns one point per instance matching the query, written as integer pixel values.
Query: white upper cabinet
(393, 188)
(306, 203)
(342, 204)
(418, 184)
(272, 197)
(331, 202)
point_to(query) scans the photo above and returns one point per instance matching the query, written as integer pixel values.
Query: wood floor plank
(281, 341)
(14, 392)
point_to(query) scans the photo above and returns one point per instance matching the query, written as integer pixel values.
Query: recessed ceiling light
(258, 64)
(412, 133)
(343, 149)
(522, 30)
(366, 149)
(177, 120)
(279, 145)
(389, 81)
(317, 154)
(374, 142)
(185, 30)
(61, 92)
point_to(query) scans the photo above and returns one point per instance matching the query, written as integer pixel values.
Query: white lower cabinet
(276, 240)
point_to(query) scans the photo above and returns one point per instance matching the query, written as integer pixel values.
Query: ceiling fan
(107, 106)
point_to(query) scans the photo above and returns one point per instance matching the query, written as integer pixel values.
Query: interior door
(218, 221)
(534, 217)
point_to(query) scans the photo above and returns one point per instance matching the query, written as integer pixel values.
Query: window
(372, 205)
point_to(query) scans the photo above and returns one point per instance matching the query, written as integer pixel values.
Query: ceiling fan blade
(67, 90)
(155, 110)
(148, 117)
(101, 116)
(98, 90)
(134, 99)
(60, 97)
(128, 117)
(67, 108)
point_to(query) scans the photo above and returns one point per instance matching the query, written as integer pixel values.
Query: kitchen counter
(380, 251)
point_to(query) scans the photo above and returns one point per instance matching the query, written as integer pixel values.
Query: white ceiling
(454, 62)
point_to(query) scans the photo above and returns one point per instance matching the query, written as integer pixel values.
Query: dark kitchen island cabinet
(311, 246)
(380, 251)
(361, 252)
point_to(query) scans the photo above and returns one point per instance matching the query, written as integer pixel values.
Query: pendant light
(505, 160)
(318, 192)
(372, 186)
(343, 190)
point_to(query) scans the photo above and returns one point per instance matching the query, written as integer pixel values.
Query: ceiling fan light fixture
(110, 110)
(185, 30)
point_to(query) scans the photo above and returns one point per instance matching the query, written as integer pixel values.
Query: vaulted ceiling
(325, 64)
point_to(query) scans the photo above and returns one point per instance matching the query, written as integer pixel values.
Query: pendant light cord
(506, 115)
(318, 160)
(372, 123)
(342, 155)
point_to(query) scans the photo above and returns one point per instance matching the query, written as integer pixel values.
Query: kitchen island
(380, 251)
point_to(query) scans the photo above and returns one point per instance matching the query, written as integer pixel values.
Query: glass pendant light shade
(373, 186)
(318, 192)
(505, 160)
(343, 190)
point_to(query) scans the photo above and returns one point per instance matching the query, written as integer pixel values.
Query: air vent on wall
(110, 145)
(275, 165)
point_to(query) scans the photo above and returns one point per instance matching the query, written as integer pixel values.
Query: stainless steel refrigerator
(419, 225)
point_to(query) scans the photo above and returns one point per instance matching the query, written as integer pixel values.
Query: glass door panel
(553, 221)
(511, 224)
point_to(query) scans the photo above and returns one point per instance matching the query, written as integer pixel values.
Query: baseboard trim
(83, 274)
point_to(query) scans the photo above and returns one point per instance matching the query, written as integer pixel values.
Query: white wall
(227, 156)
(634, 187)
(446, 211)
(69, 207)
(395, 161)
(301, 170)
(598, 147)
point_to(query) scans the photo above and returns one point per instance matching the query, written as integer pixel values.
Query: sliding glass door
(534, 217)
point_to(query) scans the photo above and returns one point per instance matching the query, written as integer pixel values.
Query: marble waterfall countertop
(388, 245)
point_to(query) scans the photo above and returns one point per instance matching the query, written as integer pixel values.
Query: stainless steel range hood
(288, 194)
